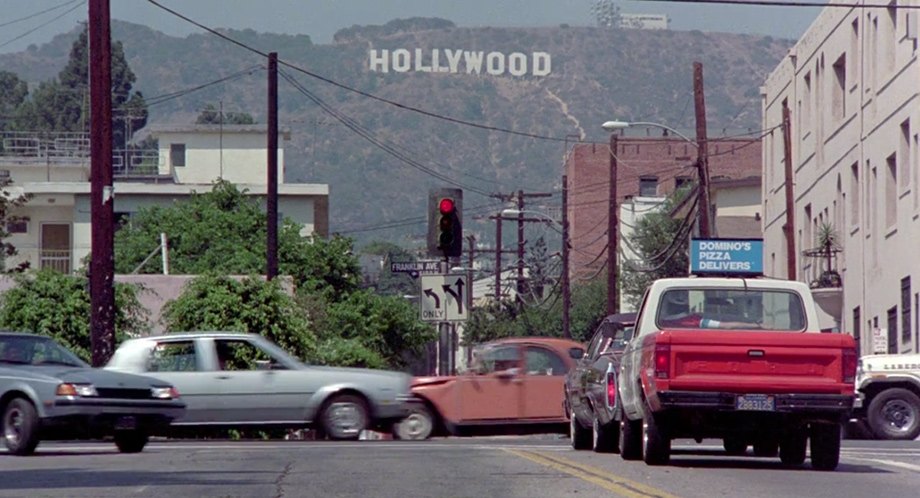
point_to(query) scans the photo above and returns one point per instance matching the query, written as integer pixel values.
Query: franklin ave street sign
(415, 267)
(443, 298)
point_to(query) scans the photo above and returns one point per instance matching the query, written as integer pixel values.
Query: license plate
(125, 423)
(755, 402)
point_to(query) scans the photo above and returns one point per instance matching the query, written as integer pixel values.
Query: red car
(513, 386)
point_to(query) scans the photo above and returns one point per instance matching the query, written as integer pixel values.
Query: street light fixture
(612, 126)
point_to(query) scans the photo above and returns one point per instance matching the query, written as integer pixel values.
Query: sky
(320, 19)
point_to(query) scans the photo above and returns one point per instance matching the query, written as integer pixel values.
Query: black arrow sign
(458, 295)
(433, 295)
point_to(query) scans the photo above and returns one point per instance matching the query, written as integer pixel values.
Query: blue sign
(742, 257)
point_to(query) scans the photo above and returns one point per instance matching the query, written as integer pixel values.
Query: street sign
(443, 298)
(415, 268)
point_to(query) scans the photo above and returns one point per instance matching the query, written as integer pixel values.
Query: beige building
(55, 169)
(852, 85)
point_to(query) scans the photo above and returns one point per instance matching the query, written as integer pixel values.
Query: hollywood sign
(403, 60)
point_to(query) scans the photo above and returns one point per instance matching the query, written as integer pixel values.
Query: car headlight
(84, 390)
(161, 392)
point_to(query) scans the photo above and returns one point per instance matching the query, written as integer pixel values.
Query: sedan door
(544, 375)
(181, 363)
(496, 392)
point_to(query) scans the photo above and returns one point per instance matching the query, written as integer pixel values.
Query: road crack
(279, 481)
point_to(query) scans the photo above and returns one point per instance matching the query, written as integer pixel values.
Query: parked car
(888, 403)
(47, 392)
(236, 380)
(514, 386)
(591, 387)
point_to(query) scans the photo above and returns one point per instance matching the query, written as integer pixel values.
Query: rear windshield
(736, 309)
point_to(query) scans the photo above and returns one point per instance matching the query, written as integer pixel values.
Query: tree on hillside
(13, 92)
(63, 104)
(211, 115)
(661, 248)
(57, 305)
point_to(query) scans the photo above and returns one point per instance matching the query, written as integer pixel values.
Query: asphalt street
(541, 467)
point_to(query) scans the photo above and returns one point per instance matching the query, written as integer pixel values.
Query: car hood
(95, 376)
(432, 380)
(346, 374)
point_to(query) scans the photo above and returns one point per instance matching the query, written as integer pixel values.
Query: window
(870, 199)
(682, 181)
(854, 193)
(839, 94)
(177, 155)
(173, 357)
(17, 225)
(854, 47)
(240, 354)
(856, 331)
(905, 309)
(539, 361)
(491, 359)
(805, 106)
(904, 154)
(893, 330)
(891, 191)
(741, 309)
(648, 186)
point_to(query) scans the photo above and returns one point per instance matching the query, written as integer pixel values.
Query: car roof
(554, 342)
(193, 335)
(13, 333)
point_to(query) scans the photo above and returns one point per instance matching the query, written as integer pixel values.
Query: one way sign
(444, 298)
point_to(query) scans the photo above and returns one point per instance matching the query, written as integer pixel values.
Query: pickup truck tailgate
(756, 362)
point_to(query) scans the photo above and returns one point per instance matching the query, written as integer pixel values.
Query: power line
(160, 99)
(783, 3)
(30, 16)
(36, 28)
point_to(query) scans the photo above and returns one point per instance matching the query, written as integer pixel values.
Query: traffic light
(445, 231)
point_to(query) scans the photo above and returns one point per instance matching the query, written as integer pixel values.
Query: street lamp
(702, 164)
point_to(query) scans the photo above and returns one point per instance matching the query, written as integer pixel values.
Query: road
(446, 468)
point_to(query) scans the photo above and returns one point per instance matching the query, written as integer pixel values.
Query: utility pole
(612, 223)
(520, 247)
(566, 292)
(271, 202)
(789, 226)
(702, 162)
(102, 209)
(498, 257)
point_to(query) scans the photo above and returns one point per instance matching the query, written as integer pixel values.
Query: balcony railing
(55, 259)
(71, 149)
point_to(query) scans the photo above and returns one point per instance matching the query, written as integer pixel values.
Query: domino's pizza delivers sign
(727, 257)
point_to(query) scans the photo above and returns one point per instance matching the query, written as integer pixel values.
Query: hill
(595, 74)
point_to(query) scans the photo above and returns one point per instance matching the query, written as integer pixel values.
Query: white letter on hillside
(418, 62)
(542, 65)
(383, 60)
(495, 63)
(453, 59)
(517, 64)
(436, 61)
(401, 60)
(473, 62)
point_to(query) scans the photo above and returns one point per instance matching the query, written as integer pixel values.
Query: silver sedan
(237, 380)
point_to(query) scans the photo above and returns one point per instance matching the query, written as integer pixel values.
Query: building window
(854, 47)
(856, 331)
(891, 191)
(177, 155)
(904, 154)
(20, 225)
(648, 186)
(905, 309)
(681, 182)
(854, 193)
(893, 330)
(805, 106)
(839, 94)
(870, 198)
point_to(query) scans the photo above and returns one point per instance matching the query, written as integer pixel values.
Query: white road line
(891, 463)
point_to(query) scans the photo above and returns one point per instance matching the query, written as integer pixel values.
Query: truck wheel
(792, 448)
(20, 427)
(766, 449)
(606, 437)
(734, 446)
(579, 436)
(417, 426)
(895, 414)
(656, 446)
(131, 441)
(630, 438)
(825, 446)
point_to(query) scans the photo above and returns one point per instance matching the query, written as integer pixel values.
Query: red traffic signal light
(445, 233)
(446, 206)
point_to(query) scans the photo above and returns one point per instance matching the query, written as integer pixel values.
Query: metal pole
(520, 248)
(789, 226)
(102, 212)
(566, 292)
(164, 253)
(498, 258)
(612, 223)
(706, 228)
(272, 194)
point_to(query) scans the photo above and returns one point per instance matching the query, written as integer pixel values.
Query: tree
(390, 283)
(63, 104)
(211, 115)
(215, 302)
(57, 305)
(661, 246)
(8, 203)
(13, 93)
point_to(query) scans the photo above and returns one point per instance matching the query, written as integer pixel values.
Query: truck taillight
(662, 361)
(849, 365)
(611, 389)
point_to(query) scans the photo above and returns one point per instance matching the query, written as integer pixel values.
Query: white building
(644, 21)
(852, 85)
(55, 170)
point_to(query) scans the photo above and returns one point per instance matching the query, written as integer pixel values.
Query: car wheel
(344, 417)
(825, 446)
(20, 427)
(630, 438)
(734, 446)
(895, 414)
(792, 448)
(766, 449)
(656, 446)
(131, 441)
(417, 426)
(605, 437)
(578, 435)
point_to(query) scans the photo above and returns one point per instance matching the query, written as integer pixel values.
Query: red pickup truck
(738, 359)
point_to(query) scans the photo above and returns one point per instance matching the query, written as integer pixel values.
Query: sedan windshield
(32, 350)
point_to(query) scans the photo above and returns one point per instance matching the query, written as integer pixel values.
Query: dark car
(47, 392)
(591, 387)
